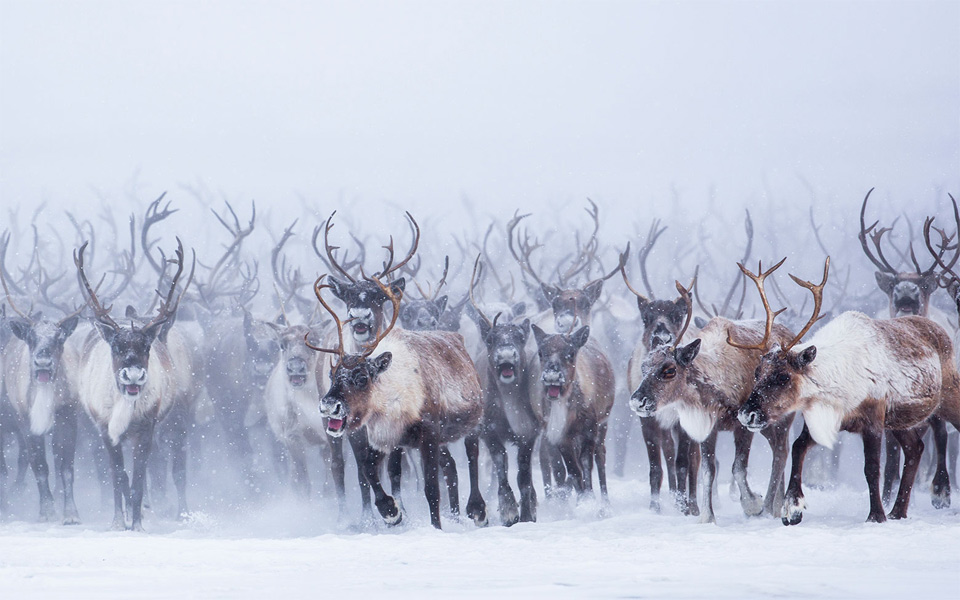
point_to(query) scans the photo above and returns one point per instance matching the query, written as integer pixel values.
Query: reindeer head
(558, 360)
(130, 347)
(423, 314)
(298, 359)
(776, 388)
(505, 343)
(664, 378)
(908, 292)
(263, 347)
(45, 339)
(571, 308)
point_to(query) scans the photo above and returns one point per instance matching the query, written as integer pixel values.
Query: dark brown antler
(100, 312)
(168, 306)
(876, 237)
(771, 315)
(945, 241)
(395, 301)
(388, 267)
(329, 250)
(817, 291)
(685, 294)
(318, 287)
(623, 272)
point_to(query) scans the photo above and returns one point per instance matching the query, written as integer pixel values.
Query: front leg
(369, 461)
(871, 469)
(569, 452)
(776, 436)
(64, 451)
(651, 438)
(121, 489)
(449, 466)
(708, 453)
(528, 495)
(751, 503)
(509, 512)
(793, 503)
(38, 461)
(337, 472)
(142, 444)
(430, 454)
(476, 507)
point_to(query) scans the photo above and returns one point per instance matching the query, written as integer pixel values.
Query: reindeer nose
(642, 404)
(331, 407)
(751, 419)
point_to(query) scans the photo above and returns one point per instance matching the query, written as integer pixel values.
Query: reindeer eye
(782, 379)
(360, 380)
(668, 372)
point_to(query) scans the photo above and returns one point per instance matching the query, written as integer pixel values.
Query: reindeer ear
(397, 287)
(593, 291)
(281, 320)
(699, 322)
(806, 357)
(20, 328)
(686, 354)
(518, 309)
(525, 328)
(580, 336)
(68, 326)
(107, 332)
(538, 334)
(641, 302)
(928, 283)
(886, 281)
(381, 363)
(484, 328)
(441, 303)
(337, 287)
(549, 291)
(131, 312)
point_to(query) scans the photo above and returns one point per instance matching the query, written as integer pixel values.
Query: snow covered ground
(288, 550)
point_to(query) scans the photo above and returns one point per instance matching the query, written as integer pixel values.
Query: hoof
(896, 515)
(793, 511)
(694, 510)
(509, 511)
(707, 517)
(605, 511)
(71, 520)
(876, 517)
(655, 505)
(940, 499)
(118, 525)
(752, 505)
(478, 513)
(138, 526)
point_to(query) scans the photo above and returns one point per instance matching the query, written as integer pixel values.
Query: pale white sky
(509, 103)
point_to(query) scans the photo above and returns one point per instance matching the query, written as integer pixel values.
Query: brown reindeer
(704, 384)
(421, 390)
(861, 375)
(576, 392)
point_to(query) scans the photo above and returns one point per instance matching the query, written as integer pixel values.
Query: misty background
(504, 104)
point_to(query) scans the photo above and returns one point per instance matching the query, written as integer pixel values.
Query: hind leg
(64, 451)
(891, 467)
(449, 467)
(476, 507)
(940, 497)
(911, 441)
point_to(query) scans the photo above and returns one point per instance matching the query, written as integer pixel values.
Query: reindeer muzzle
(336, 414)
(642, 404)
(753, 420)
(297, 372)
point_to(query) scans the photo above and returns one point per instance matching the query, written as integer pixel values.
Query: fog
(506, 104)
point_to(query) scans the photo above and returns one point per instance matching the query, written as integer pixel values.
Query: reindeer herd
(537, 352)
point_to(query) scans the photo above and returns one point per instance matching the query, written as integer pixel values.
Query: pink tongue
(553, 391)
(506, 373)
(43, 376)
(335, 424)
(133, 390)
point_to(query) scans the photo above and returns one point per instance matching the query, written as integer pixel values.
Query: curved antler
(388, 267)
(944, 244)
(876, 236)
(395, 300)
(817, 291)
(330, 249)
(771, 315)
(473, 302)
(102, 313)
(168, 307)
(318, 287)
(685, 294)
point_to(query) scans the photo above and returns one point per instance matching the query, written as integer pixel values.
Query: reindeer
(510, 412)
(421, 391)
(908, 293)
(704, 383)
(861, 375)
(577, 389)
(40, 383)
(127, 395)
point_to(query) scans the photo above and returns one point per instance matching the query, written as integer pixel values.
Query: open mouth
(507, 371)
(335, 427)
(44, 375)
(131, 390)
(298, 380)
(554, 391)
(361, 328)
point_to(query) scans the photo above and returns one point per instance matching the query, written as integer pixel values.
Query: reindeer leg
(300, 478)
(528, 495)
(911, 440)
(395, 471)
(369, 460)
(601, 456)
(708, 452)
(793, 503)
(361, 447)
(940, 498)
(337, 468)
(177, 428)
(668, 445)
(777, 438)
(121, 488)
(587, 453)
(64, 451)
(143, 443)
(38, 461)
(871, 469)
(449, 467)
(683, 469)
(651, 438)
(430, 456)
(692, 505)
(622, 425)
(751, 503)
(476, 507)
(570, 456)
(509, 512)
(891, 468)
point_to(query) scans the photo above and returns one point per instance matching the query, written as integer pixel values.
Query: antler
(817, 291)
(395, 300)
(432, 295)
(101, 312)
(329, 250)
(388, 267)
(652, 235)
(473, 302)
(289, 280)
(771, 315)
(168, 307)
(318, 287)
(526, 248)
(238, 232)
(875, 236)
(153, 216)
(685, 294)
(748, 228)
(944, 244)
